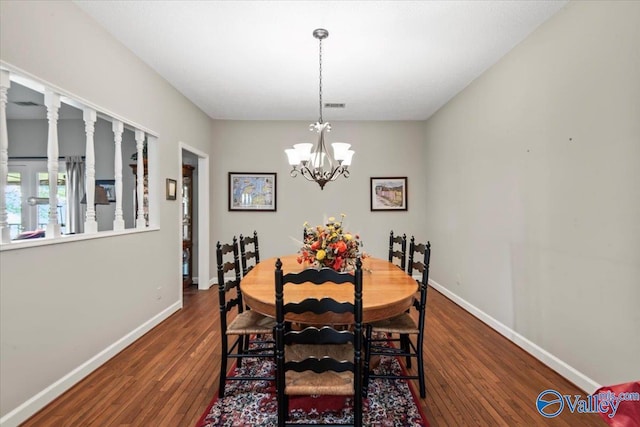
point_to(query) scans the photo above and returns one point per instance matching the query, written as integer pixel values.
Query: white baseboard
(213, 282)
(46, 396)
(576, 377)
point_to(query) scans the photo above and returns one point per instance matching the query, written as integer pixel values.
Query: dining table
(387, 291)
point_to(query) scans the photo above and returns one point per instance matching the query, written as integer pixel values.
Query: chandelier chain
(321, 81)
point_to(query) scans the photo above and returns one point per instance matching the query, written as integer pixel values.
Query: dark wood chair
(398, 250)
(318, 360)
(244, 325)
(246, 255)
(379, 335)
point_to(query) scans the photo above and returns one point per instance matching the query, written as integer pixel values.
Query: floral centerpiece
(330, 246)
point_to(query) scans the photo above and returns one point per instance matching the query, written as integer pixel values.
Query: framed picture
(250, 191)
(389, 194)
(172, 189)
(109, 186)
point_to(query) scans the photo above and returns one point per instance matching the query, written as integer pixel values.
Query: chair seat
(402, 324)
(251, 322)
(328, 382)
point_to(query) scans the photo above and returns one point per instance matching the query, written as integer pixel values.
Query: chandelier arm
(337, 172)
(306, 173)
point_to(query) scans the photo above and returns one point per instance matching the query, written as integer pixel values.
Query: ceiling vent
(334, 105)
(26, 104)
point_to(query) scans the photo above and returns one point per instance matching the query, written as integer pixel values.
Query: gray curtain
(75, 191)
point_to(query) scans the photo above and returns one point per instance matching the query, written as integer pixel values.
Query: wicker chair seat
(402, 324)
(328, 382)
(251, 322)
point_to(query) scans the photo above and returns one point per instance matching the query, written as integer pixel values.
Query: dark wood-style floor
(475, 377)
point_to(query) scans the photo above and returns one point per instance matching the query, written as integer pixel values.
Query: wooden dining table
(386, 290)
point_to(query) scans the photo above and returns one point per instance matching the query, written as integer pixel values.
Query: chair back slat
(318, 277)
(230, 284)
(313, 335)
(231, 304)
(313, 305)
(319, 365)
(228, 266)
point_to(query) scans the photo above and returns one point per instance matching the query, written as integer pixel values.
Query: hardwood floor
(475, 377)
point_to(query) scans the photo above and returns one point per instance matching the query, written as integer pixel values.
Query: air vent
(334, 105)
(26, 104)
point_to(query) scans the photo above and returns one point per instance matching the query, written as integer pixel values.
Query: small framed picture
(252, 191)
(172, 189)
(389, 194)
(109, 186)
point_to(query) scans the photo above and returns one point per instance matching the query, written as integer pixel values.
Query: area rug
(253, 403)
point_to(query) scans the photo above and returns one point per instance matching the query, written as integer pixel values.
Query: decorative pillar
(118, 128)
(52, 101)
(140, 220)
(5, 83)
(90, 223)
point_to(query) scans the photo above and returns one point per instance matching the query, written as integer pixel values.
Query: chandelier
(319, 165)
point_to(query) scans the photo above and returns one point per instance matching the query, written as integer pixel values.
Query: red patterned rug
(253, 403)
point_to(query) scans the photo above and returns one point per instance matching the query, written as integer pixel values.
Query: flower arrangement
(330, 246)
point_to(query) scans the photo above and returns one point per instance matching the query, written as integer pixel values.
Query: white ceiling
(254, 60)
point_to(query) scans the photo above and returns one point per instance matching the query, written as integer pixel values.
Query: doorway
(197, 162)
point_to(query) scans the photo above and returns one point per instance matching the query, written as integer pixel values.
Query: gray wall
(532, 184)
(382, 149)
(63, 304)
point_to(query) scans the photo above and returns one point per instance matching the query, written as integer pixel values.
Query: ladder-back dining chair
(247, 254)
(242, 328)
(398, 250)
(318, 360)
(382, 334)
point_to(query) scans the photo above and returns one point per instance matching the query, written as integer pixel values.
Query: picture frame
(109, 186)
(389, 193)
(252, 191)
(172, 189)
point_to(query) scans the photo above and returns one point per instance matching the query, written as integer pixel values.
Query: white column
(5, 83)
(90, 223)
(140, 220)
(52, 101)
(118, 128)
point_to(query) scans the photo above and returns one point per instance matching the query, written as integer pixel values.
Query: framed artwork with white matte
(389, 193)
(252, 191)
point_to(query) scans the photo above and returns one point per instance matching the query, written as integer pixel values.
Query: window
(27, 196)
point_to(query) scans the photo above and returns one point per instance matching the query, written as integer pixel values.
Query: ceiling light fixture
(319, 165)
